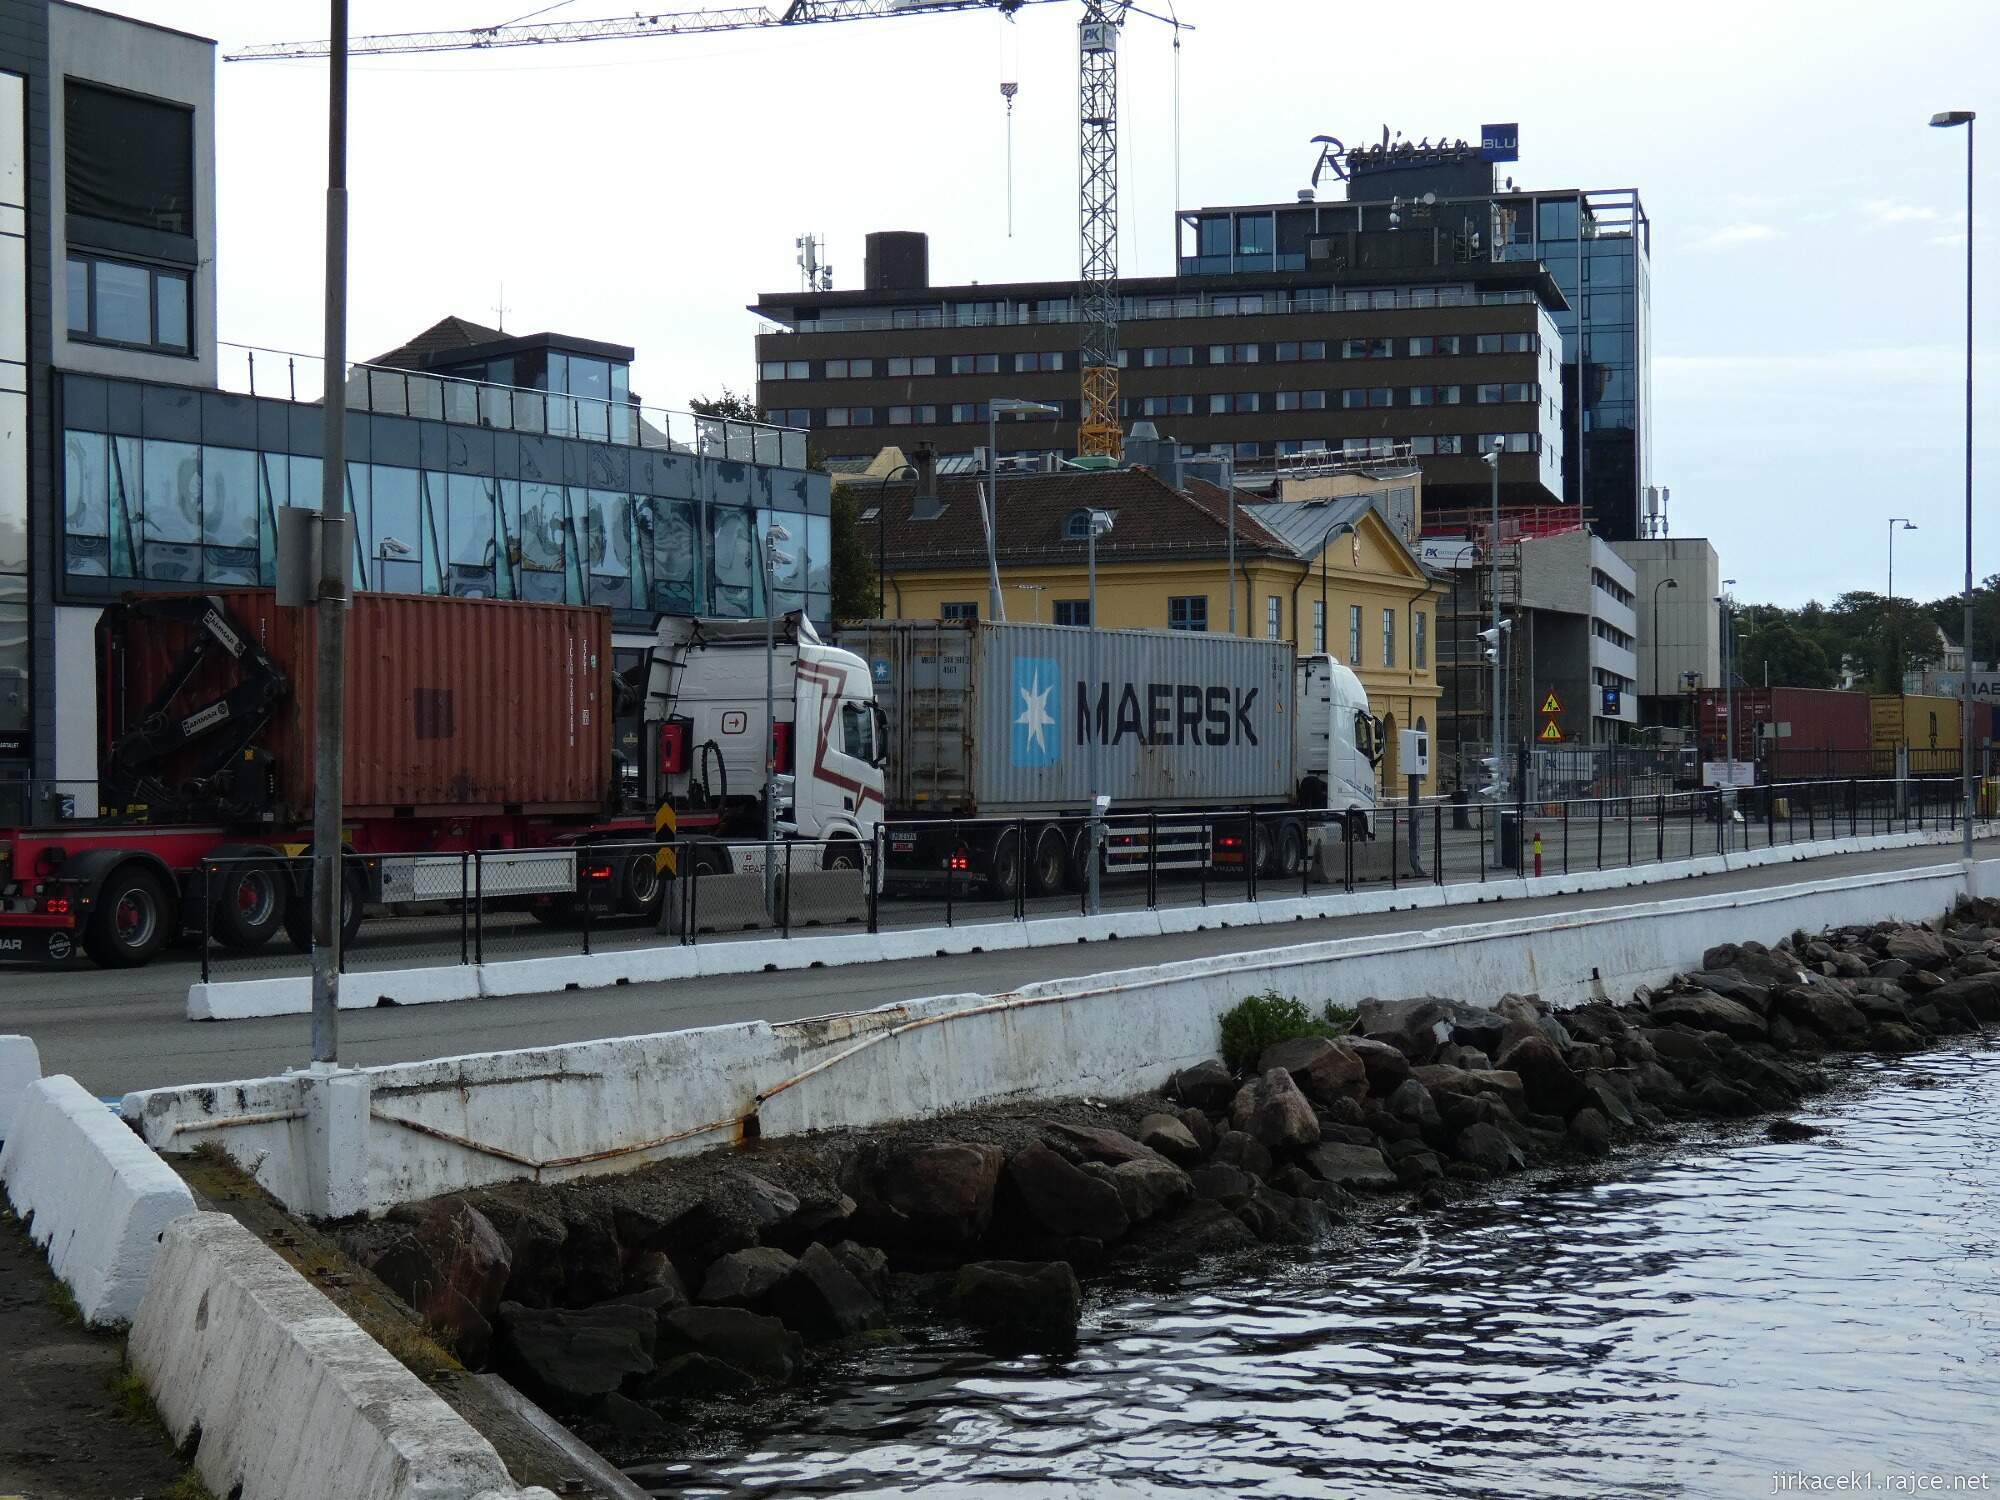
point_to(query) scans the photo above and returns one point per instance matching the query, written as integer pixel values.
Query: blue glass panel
(544, 553)
(676, 558)
(736, 591)
(470, 554)
(86, 505)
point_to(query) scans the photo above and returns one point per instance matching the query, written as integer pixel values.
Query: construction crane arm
(661, 23)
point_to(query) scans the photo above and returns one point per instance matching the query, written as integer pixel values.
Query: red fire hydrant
(1538, 854)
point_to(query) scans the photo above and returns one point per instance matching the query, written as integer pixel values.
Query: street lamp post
(1664, 583)
(1946, 120)
(1491, 458)
(1889, 615)
(1011, 406)
(1100, 525)
(771, 557)
(1729, 668)
(1458, 675)
(882, 535)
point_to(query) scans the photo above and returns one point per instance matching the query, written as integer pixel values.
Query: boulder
(867, 1265)
(1444, 1080)
(1415, 1163)
(1168, 1136)
(1728, 983)
(760, 1347)
(1275, 1111)
(1236, 1149)
(451, 1265)
(1280, 1219)
(1718, 1096)
(629, 1419)
(1710, 1012)
(1615, 1099)
(533, 1234)
(1218, 1182)
(1590, 1132)
(1096, 1143)
(1062, 1198)
(567, 1357)
(1548, 1083)
(822, 1299)
(1895, 1036)
(1349, 1166)
(1415, 1027)
(746, 1278)
(1201, 1229)
(936, 1194)
(1919, 947)
(695, 1377)
(1206, 1085)
(1978, 993)
(652, 1270)
(1487, 1147)
(1200, 1127)
(1324, 1070)
(1465, 1059)
(1832, 1015)
(1411, 1101)
(1037, 1303)
(1386, 1066)
(1148, 1188)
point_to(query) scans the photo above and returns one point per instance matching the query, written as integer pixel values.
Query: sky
(1808, 229)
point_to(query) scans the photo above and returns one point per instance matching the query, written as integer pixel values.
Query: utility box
(1414, 751)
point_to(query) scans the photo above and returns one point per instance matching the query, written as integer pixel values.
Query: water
(1695, 1326)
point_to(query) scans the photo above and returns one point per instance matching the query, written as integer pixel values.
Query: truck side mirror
(881, 735)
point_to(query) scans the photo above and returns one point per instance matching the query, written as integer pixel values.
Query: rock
(695, 1377)
(1717, 1096)
(1349, 1166)
(1615, 1100)
(1831, 1015)
(1246, 1151)
(758, 1346)
(1275, 1111)
(1680, 1046)
(1064, 1199)
(1590, 1132)
(1415, 1163)
(1709, 1012)
(867, 1265)
(1206, 1085)
(1547, 1082)
(452, 1267)
(1218, 1182)
(629, 1419)
(1386, 1066)
(823, 1300)
(1415, 1027)
(1755, 994)
(1894, 1036)
(1033, 1302)
(821, 1216)
(652, 1270)
(534, 1237)
(1442, 1080)
(655, 1300)
(764, 1202)
(1169, 1137)
(1323, 1069)
(570, 1357)
(1411, 1101)
(746, 1278)
(1147, 1189)
(1200, 1127)
(1477, 1027)
(1484, 1146)
(1979, 994)
(1341, 1112)
(1465, 1059)
(1876, 1007)
(1279, 1219)
(1919, 947)
(937, 1194)
(1788, 1132)
(1201, 1229)
(1097, 1143)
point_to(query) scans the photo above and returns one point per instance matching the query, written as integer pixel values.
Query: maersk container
(995, 720)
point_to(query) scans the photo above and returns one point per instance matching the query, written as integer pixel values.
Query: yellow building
(1323, 574)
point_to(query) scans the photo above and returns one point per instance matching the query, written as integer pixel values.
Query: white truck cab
(1340, 741)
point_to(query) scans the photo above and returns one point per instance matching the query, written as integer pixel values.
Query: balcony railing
(286, 375)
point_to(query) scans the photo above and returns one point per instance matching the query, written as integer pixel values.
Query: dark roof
(452, 340)
(1154, 520)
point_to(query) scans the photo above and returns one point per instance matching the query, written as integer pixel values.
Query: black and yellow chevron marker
(666, 828)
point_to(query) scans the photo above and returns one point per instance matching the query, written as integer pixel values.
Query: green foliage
(730, 404)
(856, 595)
(1877, 638)
(1258, 1021)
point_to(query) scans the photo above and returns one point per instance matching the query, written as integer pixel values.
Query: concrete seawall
(374, 1137)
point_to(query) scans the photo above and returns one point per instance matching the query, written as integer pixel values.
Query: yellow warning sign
(1552, 730)
(1551, 705)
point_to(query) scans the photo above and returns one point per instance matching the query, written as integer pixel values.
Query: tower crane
(1099, 433)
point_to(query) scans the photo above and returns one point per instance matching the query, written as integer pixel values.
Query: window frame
(155, 272)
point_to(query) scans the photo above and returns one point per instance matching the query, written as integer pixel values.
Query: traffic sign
(1551, 705)
(1552, 732)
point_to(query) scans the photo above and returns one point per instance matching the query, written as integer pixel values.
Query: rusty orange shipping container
(454, 706)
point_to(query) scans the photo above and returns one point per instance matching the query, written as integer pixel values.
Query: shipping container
(1809, 729)
(991, 719)
(454, 706)
(1925, 722)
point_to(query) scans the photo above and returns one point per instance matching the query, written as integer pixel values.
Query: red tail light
(961, 861)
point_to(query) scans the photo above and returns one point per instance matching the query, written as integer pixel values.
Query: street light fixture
(1946, 120)
(1491, 458)
(882, 534)
(1727, 606)
(772, 559)
(1889, 613)
(1012, 406)
(1099, 525)
(1664, 583)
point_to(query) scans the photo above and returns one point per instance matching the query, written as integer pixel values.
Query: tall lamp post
(1491, 458)
(1946, 120)
(1889, 616)
(882, 535)
(1722, 601)
(1458, 679)
(771, 558)
(1012, 406)
(1664, 583)
(1100, 525)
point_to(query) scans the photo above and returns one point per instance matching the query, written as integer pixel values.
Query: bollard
(1538, 853)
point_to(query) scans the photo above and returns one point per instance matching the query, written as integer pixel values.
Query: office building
(137, 453)
(1677, 581)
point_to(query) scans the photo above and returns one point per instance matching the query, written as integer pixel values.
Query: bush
(1258, 1021)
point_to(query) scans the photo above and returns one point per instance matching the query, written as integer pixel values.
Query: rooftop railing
(386, 391)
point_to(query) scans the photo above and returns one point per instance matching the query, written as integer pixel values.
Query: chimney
(897, 260)
(924, 502)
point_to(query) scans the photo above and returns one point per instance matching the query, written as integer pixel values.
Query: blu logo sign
(1035, 711)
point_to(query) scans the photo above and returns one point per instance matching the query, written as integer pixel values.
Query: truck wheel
(1291, 851)
(640, 886)
(1048, 872)
(1003, 874)
(1264, 849)
(299, 912)
(133, 919)
(842, 854)
(248, 905)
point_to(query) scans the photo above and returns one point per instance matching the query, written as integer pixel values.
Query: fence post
(583, 887)
(1565, 807)
(1250, 856)
(785, 921)
(1437, 841)
(1482, 843)
(1600, 833)
(1349, 826)
(1395, 820)
(207, 917)
(1305, 857)
(464, 937)
(1207, 854)
(479, 908)
(1022, 862)
(1152, 860)
(338, 906)
(1660, 810)
(875, 880)
(690, 928)
(1853, 808)
(950, 866)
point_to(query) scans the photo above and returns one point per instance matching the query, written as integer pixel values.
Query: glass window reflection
(470, 555)
(677, 567)
(544, 553)
(172, 480)
(86, 507)
(733, 547)
(229, 515)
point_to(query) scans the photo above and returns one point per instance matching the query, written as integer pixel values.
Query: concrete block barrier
(291, 1399)
(826, 897)
(20, 1065)
(96, 1197)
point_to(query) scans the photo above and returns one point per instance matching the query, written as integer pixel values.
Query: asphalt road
(121, 1031)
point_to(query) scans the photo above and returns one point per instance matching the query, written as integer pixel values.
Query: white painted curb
(245, 999)
(99, 1196)
(292, 1399)
(20, 1065)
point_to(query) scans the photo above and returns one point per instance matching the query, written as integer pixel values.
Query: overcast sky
(1808, 229)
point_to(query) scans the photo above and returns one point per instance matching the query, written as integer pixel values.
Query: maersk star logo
(1037, 730)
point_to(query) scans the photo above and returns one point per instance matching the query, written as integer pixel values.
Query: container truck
(471, 725)
(994, 730)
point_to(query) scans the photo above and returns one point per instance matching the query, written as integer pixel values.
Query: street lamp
(1457, 680)
(1729, 668)
(1889, 615)
(1011, 406)
(1491, 458)
(772, 559)
(1664, 583)
(1946, 120)
(882, 535)
(1099, 525)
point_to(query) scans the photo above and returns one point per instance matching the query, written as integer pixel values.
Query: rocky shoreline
(616, 1301)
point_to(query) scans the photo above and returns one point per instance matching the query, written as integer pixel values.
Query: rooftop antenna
(809, 246)
(500, 308)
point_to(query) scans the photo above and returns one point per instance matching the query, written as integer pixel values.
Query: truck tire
(1291, 851)
(640, 887)
(134, 919)
(842, 854)
(248, 896)
(1048, 871)
(298, 912)
(1264, 848)
(1003, 867)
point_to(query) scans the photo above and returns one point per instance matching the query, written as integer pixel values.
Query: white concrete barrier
(236, 1000)
(20, 1065)
(95, 1196)
(552, 1113)
(292, 1400)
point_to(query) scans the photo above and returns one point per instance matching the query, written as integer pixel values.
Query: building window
(1218, 354)
(1354, 400)
(1319, 626)
(1487, 343)
(130, 160)
(964, 609)
(836, 416)
(1285, 401)
(1312, 400)
(968, 411)
(1420, 642)
(1072, 611)
(1284, 353)
(1354, 635)
(1489, 394)
(120, 302)
(1187, 612)
(1044, 363)
(903, 366)
(1274, 617)
(1218, 404)
(1247, 401)
(1382, 395)
(1422, 345)
(1388, 638)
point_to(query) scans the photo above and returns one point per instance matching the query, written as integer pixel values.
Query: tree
(1793, 657)
(856, 592)
(1949, 615)
(735, 407)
